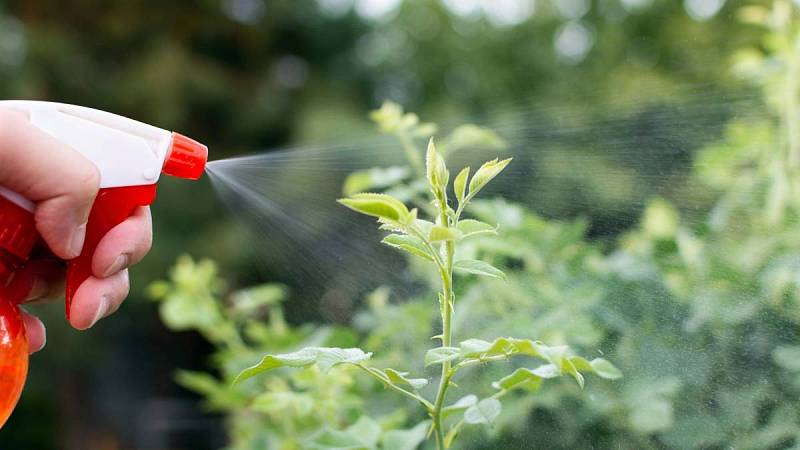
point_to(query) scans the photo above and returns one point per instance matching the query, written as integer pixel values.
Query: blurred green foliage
(701, 314)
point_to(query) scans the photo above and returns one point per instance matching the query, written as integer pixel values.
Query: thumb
(60, 181)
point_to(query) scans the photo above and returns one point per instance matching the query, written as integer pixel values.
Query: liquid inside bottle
(13, 357)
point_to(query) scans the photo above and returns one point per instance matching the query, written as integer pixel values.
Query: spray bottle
(130, 156)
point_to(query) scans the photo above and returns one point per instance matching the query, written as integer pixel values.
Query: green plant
(699, 307)
(435, 242)
(283, 412)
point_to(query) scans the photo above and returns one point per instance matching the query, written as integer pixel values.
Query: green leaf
(248, 302)
(377, 205)
(460, 405)
(470, 228)
(483, 412)
(362, 435)
(485, 174)
(425, 226)
(557, 355)
(474, 347)
(478, 348)
(569, 368)
(335, 440)
(605, 369)
(451, 435)
(460, 184)
(282, 401)
(598, 366)
(410, 244)
(324, 357)
(439, 355)
(473, 136)
(390, 117)
(366, 430)
(661, 219)
(527, 347)
(375, 178)
(401, 378)
(477, 267)
(439, 233)
(526, 378)
(406, 439)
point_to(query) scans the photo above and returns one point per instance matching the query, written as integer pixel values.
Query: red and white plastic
(130, 157)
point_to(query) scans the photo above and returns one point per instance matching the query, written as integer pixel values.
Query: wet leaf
(460, 184)
(483, 412)
(485, 174)
(439, 233)
(377, 205)
(526, 378)
(599, 366)
(441, 354)
(406, 439)
(460, 405)
(400, 378)
(470, 228)
(605, 369)
(477, 267)
(410, 244)
(476, 348)
(324, 357)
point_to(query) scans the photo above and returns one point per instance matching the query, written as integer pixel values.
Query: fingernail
(102, 310)
(120, 263)
(76, 242)
(38, 290)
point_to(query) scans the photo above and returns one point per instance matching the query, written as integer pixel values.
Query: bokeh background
(246, 76)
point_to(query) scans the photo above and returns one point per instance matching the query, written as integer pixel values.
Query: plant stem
(447, 307)
(426, 404)
(792, 109)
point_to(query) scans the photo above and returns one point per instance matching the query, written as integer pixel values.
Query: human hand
(63, 184)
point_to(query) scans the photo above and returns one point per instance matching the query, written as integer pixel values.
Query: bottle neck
(18, 235)
(8, 264)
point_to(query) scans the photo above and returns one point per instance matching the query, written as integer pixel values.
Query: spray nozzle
(186, 158)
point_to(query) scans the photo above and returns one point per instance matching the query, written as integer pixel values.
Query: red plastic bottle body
(17, 237)
(13, 356)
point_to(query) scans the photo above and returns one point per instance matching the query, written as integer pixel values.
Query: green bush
(700, 309)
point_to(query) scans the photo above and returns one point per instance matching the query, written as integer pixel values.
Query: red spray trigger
(111, 207)
(186, 158)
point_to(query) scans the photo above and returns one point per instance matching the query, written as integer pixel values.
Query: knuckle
(87, 182)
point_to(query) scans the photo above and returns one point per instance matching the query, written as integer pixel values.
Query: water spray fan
(130, 156)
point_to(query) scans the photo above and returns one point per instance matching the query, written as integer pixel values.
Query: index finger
(61, 181)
